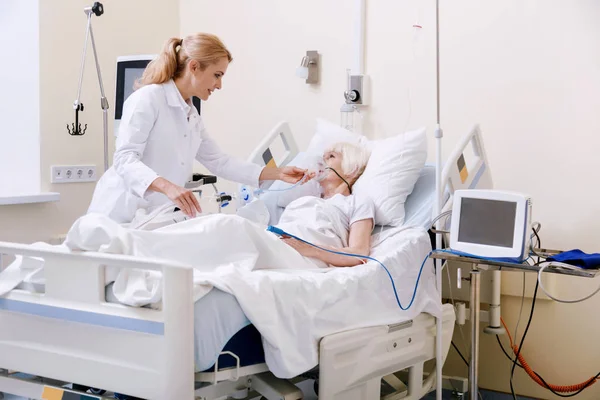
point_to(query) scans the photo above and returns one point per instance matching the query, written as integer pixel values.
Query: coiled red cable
(533, 375)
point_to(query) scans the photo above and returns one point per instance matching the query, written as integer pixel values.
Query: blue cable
(281, 232)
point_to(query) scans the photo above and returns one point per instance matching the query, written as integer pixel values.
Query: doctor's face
(203, 83)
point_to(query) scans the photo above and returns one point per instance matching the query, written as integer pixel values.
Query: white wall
(529, 73)
(260, 87)
(127, 27)
(526, 71)
(20, 99)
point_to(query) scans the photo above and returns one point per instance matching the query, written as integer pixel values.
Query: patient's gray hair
(354, 159)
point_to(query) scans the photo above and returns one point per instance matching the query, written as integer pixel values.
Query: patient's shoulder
(362, 207)
(362, 199)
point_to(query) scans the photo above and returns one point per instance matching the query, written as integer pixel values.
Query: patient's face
(333, 159)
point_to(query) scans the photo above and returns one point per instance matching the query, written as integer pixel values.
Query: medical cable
(459, 353)
(259, 190)
(536, 226)
(556, 389)
(345, 181)
(520, 308)
(518, 350)
(281, 232)
(442, 215)
(467, 364)
(543, 382)
(547, 264)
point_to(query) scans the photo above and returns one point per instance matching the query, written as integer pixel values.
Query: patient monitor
(491, 224)
(129, 69)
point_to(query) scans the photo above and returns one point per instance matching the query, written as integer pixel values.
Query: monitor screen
(487, 222)
(131, 75)
(128, 71)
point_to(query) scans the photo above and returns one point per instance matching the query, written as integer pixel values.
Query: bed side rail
(68, 271)
(78, 275)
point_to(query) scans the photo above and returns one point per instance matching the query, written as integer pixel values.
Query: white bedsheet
(291, 302)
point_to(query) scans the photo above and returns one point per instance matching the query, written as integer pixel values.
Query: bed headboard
(277, 148)
(466, 168)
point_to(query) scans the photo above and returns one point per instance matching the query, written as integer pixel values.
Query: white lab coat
(160, 135)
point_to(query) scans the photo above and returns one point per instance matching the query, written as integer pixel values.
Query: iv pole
(97, 9)
(438, 134)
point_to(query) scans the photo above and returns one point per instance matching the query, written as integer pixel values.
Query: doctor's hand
(182, 197)
(286, 174)
(294, 174)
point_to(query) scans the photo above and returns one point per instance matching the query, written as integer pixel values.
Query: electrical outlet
(73, 173)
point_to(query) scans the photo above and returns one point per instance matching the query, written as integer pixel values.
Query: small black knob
(98, 9)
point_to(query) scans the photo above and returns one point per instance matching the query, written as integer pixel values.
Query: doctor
(161, 134)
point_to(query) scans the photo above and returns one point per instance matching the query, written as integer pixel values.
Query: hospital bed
(73, 331)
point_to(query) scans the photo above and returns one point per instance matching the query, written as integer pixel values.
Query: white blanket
(290, 301)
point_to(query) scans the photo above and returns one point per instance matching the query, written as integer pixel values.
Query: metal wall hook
(76, 130)
(96, 9)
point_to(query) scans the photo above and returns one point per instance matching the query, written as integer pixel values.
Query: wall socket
(73, 173)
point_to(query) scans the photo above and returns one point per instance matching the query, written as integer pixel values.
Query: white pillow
(327, 134)
(391, 174)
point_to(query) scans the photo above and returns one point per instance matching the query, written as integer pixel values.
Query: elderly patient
(337, 219)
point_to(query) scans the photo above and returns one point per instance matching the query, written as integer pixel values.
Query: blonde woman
(161, 134)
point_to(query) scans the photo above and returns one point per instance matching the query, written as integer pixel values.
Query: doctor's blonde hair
(354, 159)
(205, 48)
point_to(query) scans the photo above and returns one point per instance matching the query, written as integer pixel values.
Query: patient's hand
(301, 247)
(359, 240)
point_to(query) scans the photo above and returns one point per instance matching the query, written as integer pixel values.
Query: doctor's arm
(359, 242)
(137, 121)
(227, 167)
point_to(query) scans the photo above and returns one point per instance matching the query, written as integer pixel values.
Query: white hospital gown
(325, 222)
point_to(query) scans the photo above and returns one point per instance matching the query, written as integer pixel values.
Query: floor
(485, 395)
(309, 395)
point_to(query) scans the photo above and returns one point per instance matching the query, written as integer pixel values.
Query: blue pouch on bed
(578, 258)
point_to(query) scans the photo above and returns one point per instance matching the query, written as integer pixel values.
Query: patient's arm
(359, 242)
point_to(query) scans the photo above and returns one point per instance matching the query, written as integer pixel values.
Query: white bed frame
(70, 334)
